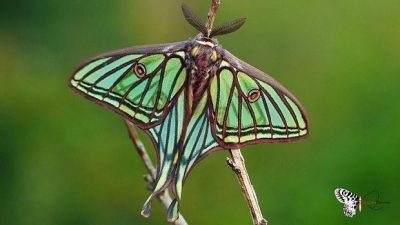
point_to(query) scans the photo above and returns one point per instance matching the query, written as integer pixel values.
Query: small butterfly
(350, 200)
(353, 201)
(191, 98)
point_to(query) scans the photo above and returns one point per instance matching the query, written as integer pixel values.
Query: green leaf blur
(66, 161)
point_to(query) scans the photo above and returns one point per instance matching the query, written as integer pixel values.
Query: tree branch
(237, 164)
(164, 197)
(211, 15)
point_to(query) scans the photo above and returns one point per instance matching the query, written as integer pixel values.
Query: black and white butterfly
(352, 201)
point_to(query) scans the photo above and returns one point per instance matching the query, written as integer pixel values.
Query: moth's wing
(116, 81)
(175, 163)
(248, 106)
(349, 210)
(198, 143)
(344, 195)
(340, 194)
(165, 138)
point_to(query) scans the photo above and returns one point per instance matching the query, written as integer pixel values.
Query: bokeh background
(64, 160)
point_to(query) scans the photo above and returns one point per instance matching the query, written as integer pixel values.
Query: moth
(191, 98)
(352, 201)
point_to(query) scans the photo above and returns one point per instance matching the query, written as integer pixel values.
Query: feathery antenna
(207, 30)
(193, 19)
(228, 27)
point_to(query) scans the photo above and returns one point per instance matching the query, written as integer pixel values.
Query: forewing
(140, 83)
(344, 196)
(249, 106)
(341, 194)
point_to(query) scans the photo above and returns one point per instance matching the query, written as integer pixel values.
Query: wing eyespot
(253, 95)
(140, 70)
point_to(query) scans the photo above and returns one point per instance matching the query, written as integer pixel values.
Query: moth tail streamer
(147, 206)
(146, 211)
(173, 211)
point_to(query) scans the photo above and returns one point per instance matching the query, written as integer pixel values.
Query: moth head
(205, 47)
(222, 29)
(204, 55)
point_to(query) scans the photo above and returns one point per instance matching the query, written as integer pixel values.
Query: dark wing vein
(243, 96)
(96, 68)
(196, 141)
(277, 109)
(150, 76)
(291, 111)
(239, 117)
(268, 113)
(105, 75)
(227, 110)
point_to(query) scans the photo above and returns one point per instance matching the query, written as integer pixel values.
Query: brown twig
(237, 162)
(211, 15)
(239, 167)
(164, 197)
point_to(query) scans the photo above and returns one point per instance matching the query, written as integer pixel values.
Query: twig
(238, 166)
(164, 197)
(237, 162)
(211, 15)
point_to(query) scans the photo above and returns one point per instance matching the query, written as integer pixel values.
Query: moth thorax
(202, 61)
(204, 56)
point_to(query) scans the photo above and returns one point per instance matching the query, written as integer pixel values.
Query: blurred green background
(64, 160)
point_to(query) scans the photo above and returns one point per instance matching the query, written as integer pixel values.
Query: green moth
(191, 98)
